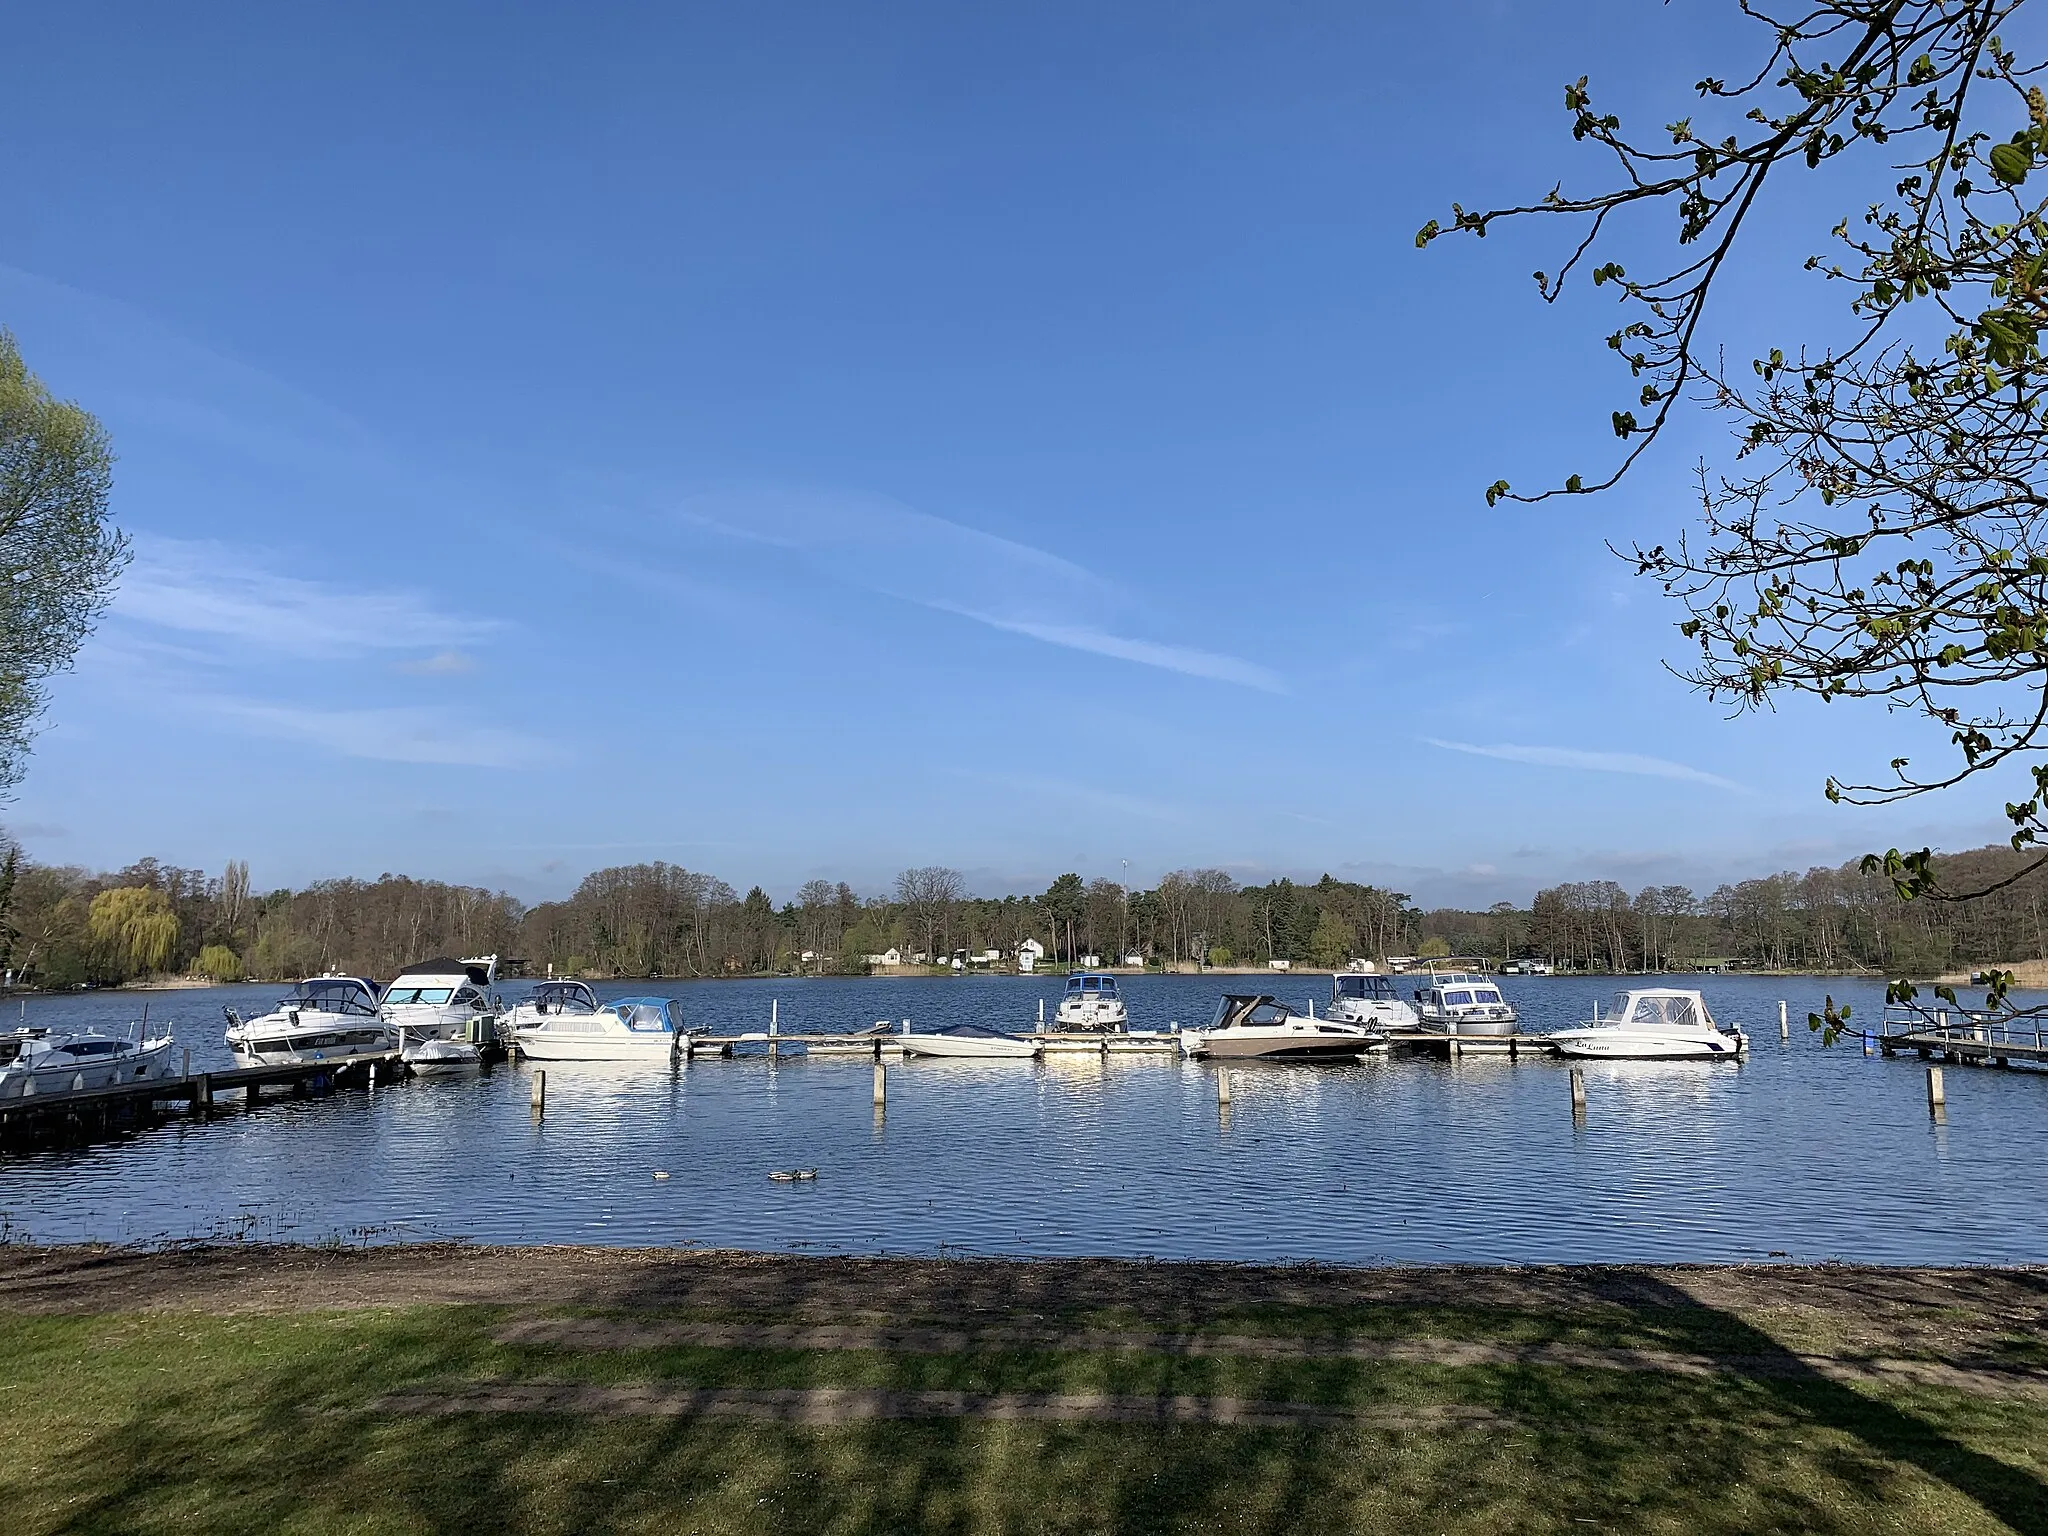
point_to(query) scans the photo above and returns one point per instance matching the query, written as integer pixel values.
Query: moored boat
(1464, 1003)
(1655, 1024)
(324, 1018)
(1258, 1028)
(965, 1040)
(441, 1012)
(35, 1062)
(1091, 1002)
(1369, 999)
(643, 1029)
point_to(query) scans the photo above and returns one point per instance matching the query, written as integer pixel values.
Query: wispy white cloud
(204, 588)
(440, 664)
(394, 735)
(918, 558)
(1148, 653)
(1595, 762)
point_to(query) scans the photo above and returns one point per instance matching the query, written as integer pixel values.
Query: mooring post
(774, 1027)
(1937, 1096)
(1578, 1091)
(187, 1072)
(1784, 1026)
(537, 1095)
(881, 1081)
(255, 1092)
(202, 1092)
(1223, 1085)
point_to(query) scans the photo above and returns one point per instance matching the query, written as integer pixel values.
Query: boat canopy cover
(647, 1014)
(564, 997)
(1235, 1010)
(334, 994)
(476, 975)
(1369, 989)
(971, 1032)
(1083, 982)
(1687, 1010)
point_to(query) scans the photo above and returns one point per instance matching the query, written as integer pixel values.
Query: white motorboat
(625, 1029)
(1091, 1002)
(1464, 1003)
(35, 1063)
(551, 997)
(1258, 1028)
(441, 1012)
(965, 1040)
(1368, 998)
(326, 1018)
(1655, 1024)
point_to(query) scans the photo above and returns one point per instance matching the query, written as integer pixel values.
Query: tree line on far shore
(61, 926)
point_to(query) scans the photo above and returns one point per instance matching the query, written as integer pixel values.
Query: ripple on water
(1806, 1151)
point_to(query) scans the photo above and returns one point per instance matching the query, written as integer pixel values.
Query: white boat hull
(431, 1056)
(595, 1045)
(1643, 1045)
(149, 1062)
(1304, 1042)
(975, 1047)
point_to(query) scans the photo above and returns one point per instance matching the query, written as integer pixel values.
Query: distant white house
(985, 957)
(887, 957)
(1281, 965)
(1091, 962)
(1135, 961)
(1029, 953)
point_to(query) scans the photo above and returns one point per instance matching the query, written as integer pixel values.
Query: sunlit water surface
(1802, 1152)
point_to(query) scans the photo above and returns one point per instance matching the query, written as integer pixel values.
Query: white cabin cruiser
(626, 1029)
(34, 1062)
(442, 1013)
(1368, 998)
(551, 997)
(1257, 1028)
(1092, 1002)
(1655, 1024)
(1464, 1003)
(326, 1018)
(965, 1040)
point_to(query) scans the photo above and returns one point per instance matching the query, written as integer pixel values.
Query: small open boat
(1655, 1024)
(966, 1040)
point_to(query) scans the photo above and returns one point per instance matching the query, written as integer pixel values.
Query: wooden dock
(1454, 1047)
(199, 1092)
(1969, 1039)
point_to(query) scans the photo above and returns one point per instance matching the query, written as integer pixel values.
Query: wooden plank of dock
(197, 1089)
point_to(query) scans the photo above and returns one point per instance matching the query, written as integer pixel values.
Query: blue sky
(797, 440)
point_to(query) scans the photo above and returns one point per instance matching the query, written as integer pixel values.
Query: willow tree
(59, 550)
(1878, 528)
(134, 926)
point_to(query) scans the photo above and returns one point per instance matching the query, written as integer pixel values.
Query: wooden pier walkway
(1970, 1039)
(200, 1091)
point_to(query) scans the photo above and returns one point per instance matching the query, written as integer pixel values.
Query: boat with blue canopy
(624, 1029)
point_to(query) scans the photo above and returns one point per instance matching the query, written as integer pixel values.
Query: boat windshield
(1457, 999)
(1369, 989)
(564, 997)
(433, 997)
(340, 996)
(1665, 1010)
(651, 1017)
(1081, 986)
(1486, 994)
(971, 1032)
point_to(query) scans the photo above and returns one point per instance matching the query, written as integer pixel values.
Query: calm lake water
(1803, 1152)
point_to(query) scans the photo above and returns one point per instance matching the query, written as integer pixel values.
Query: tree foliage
(136, 925)
(1877, 531)
(59, 550)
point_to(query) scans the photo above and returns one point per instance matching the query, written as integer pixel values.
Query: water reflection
(1811, 1152)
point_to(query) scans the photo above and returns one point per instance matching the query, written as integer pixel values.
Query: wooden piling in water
(1578, 1091)
(202, 1093)
(1784, 1025)
(1223, 1085)
(881, 1082)
(537, 1095)
(1937, 1095)
(774, 1027)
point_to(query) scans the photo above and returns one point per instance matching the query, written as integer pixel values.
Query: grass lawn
(281, 1391)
